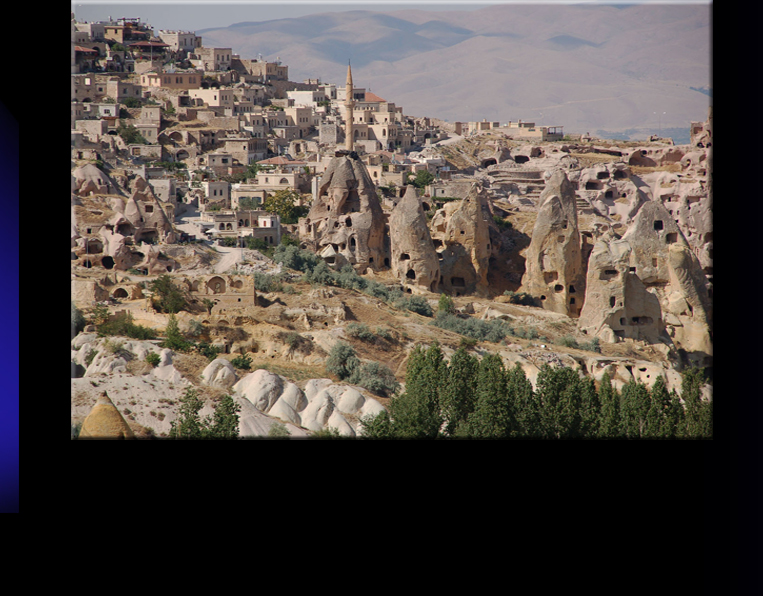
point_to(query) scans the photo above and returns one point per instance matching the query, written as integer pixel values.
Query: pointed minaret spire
(348, 104)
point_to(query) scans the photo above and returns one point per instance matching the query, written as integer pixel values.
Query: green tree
(342, 360)
(284, 204)
(188, 424)
(416, 413)
(590, 409)
(174, 340)
(458, 396)
(492, 417)
(698, 419)
(376, 427)
(224, 422)
(446, 304)
(634, 405)
(559, 392)
(610, 409)
(422, 179)
(657, 424)
(525, 407)
(130, 135)
(167, 297)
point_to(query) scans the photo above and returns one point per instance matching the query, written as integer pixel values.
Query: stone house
(190, 79)
(181, 42)
(211, 58)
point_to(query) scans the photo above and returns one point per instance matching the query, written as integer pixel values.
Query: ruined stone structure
(346, 223)
(413, 257)
(228, 292)
(554, 266)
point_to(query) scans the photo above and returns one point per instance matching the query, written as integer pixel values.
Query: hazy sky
(195, 15)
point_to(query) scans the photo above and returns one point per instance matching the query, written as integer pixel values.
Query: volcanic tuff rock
(413, 256)
(554, 264)
(462, 228)
(346, 223)
(105, 422)
(649, 285)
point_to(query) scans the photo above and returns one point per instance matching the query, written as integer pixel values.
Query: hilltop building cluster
(174, 142)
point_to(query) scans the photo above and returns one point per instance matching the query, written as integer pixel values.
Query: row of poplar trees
(480, 398)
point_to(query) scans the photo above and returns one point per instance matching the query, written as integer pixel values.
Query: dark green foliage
(130, 135)
(492, 417)
(267, 282)
(295, 258)
(242, 361)
(253, 243)
(503, 224)
(698, 417)
(284, 204)
(609, 426)
(492, 331)
(568, 342)
(634, 406)
(376, 427)
(342, 360)
(206, 350)
(123, 325)
(360, 331)
(167, 297)
(78, 320)
(422, 179)
(458, 396)
(416, 413)
(591, 346)
(223, 424)
(524, 403)
(446, 304)
(375, 377)
(174, 340)
(522, 298)
(419, 305)
(153, 359)
(590, 408)
(559, 392)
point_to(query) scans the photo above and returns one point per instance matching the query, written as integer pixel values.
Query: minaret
(348, 104)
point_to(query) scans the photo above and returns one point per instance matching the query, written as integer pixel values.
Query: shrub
(360, 331)
(446, 304)
(375, 377)
(384, 333)
(167, 296)
(419, 304)
(90, 356)
(174, 340)
(78, 320)
(591, 346)
(522, 298)
(503, 224)
(206, 350)
(153, 359)
(342, 360)
(493, 331)
(569, 342)
(278, 430)
(243, 361)
(265, 282)
(123, 325)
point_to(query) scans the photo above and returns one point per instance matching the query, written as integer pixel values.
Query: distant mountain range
(584, 67)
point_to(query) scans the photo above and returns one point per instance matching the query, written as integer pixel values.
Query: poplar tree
(416, 413)
(698, 420)
(492, 416)
(590, 409)
(458, 397)
(559, 390)
(609, 427)
(634, 405)
(657, 425)
(522, 400)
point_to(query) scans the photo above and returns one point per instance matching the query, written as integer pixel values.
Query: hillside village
(216, 172)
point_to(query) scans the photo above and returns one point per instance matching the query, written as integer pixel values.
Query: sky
(195, 15)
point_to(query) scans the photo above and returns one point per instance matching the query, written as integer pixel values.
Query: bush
(278, 430)
(503, 224)
(569, 342)
(266, 283)
(78, 320)
(493, 331)
(522, 298)
(243, 361)
(90, 356)
(591, 346)
(375, 377)
(342, 361)
(167, 296)
(206, 350)
(384, 333)
(153, 359)
(174, 340)
(123, 325)
(419, 304)
(446, 304)
(360, 331)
